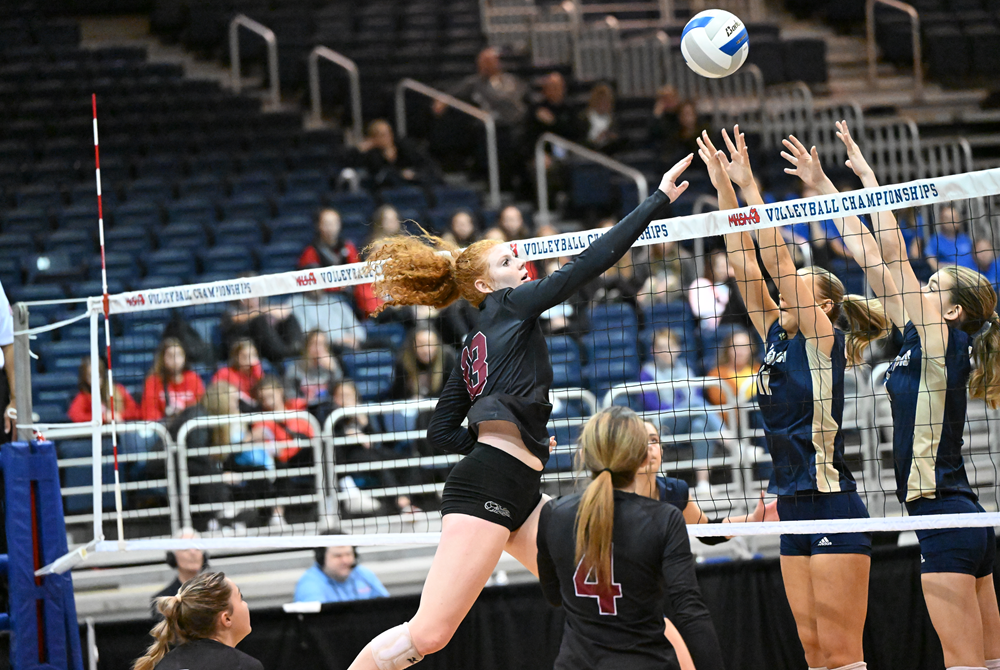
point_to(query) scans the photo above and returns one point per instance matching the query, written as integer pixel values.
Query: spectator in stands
(602, 132)
(336, 577)
(620, 282)
(502, 95)
(220, 399)
(737, 364)
(680, 139)
(385, 223)
(171, 387)
(242, 371)
(461, 229)
(715, 298)
(495, 233)
(511, 222)
(682, 405)
(666, 120)
(665, 269)
(188, 563)
(950, 245)
(269, 324)
(360, 426)
(331, 312)
(126, 408)
(423, 366)
(553, 113)
(987, 262)
(327, 248)
(392, 163)
(315, 371)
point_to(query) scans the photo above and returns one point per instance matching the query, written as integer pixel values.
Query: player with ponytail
(492, 498)
(611, 557)
(203, 622)
(929, 384)
(800, 391)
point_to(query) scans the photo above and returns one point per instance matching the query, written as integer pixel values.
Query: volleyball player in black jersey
(929, 384)
(614, 560)
(491, 500)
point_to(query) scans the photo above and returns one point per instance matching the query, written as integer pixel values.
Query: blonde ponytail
(192, 614)
(978, 299)
(613, 446)
(866, 322)
(414, 271)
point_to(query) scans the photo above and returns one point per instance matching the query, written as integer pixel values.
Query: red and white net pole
(107, 334)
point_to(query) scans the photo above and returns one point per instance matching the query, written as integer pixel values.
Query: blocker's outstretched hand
(855, 159)
(669, 183)
(738, 165)
(807, 165)
(714, 160)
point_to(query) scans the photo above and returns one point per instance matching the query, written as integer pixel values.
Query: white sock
(821, 668)
(860, 665)
(965, 667)
(993, 664)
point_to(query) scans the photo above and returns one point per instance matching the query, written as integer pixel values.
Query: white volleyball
(715, 43)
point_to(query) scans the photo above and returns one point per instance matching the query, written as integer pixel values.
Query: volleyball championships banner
(921, 192)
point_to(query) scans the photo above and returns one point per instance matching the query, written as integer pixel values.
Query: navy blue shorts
(966, 551)
(811, 506)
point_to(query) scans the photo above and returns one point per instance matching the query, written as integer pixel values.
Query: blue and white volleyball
(715, 43)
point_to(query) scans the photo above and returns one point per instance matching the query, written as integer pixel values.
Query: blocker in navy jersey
(929, 398)
(504, 372)
(800, 391)
(674, 491)
(620, 625)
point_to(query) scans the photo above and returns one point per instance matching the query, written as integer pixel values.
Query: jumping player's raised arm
(858, 240)
(923, 309)
(445, 430)
(531, 299)
(739, 246)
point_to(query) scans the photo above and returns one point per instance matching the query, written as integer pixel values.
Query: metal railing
(241, 20)
(788, 110)
(553, 35)
(163, 455)
(644, 65)
(355, 82)
(824, 132)
(918, 74)
(893, 149)
(492, 158)
(185, 480)
(944, 156)
(586, 154)
(598, 49)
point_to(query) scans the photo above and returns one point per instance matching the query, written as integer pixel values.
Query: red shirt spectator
(243, 371)
(329, 249)
(183, 386)
(270, 395)
(126, 408)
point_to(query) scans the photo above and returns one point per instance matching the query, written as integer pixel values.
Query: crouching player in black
(610, 557)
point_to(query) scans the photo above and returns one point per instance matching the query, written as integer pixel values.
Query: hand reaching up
(738, 167)
(807, 166)
(855, 159)
(714, 160)
(669, 183)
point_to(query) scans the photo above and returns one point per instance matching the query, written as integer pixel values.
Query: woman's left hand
(552, 444)
(669, 183)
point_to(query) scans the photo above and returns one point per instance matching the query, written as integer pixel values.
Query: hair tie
(608, 470)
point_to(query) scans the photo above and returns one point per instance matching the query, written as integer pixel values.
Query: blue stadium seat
(254, 183)
(27, 219)
(206, 186)
(237, 231)
(56, 388)
(128, 239)
(371, 358)
(227, 260)
(306, 181)
(164, 166)
(140, 213)
(17, 243)
(153, 281)
(182, 235)
(299, 204)
(38, 196)
(70, 241)
(194, 209)
(264, 161)
(49, 413)
(175, 262)
(353, 203)
(54, 266)
(247, 206)
(78, 217)
(212, 163)
(391, 333)
(92, 287)
(373, 383)
(614, 315)
(82, 475)
(604, 373)
(453, 197)
(150, 189)
(64, 356)
(406, 197)
(133, 343)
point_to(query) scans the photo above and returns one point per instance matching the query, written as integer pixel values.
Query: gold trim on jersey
(824, 426)
(928, 424)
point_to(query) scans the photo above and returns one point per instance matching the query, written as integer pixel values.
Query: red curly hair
(414, 271)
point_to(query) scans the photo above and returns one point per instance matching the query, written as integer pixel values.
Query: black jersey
(504, 371)
(207, 654)
(652, 569)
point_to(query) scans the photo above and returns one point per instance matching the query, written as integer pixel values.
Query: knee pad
(394, 650)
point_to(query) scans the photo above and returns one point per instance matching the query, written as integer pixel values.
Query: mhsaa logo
(135, 301)
(306, 279)
(741, 219)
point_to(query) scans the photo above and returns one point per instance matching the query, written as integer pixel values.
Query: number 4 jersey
(620, 625)
(504, 372)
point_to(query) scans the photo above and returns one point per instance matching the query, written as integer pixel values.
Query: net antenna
(96, 392)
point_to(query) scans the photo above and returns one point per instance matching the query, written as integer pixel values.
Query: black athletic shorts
(493, 485)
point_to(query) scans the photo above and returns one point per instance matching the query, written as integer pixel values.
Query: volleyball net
(265, 411)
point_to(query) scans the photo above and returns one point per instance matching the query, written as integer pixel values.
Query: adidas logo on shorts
(496, 509)
(824, 542)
